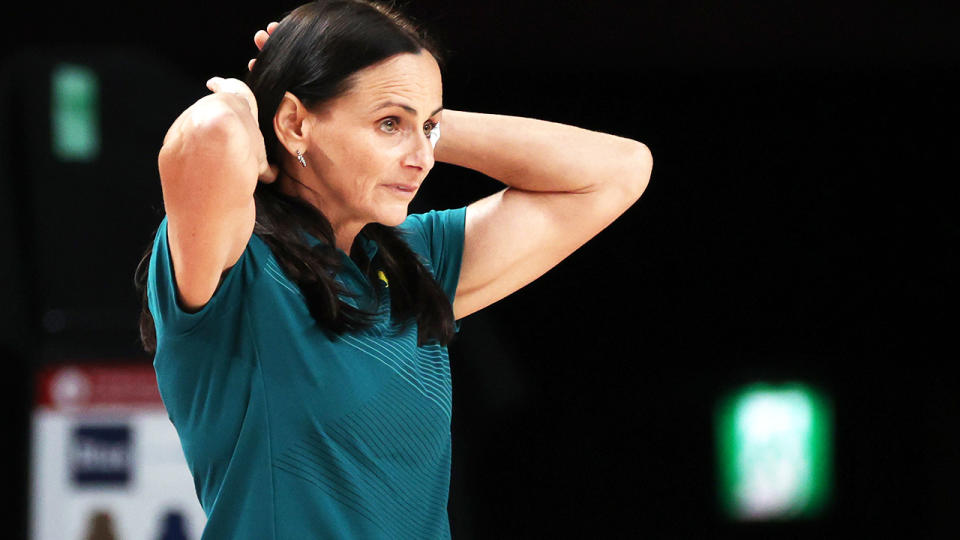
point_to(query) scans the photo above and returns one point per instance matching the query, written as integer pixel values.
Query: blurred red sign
(97, 386)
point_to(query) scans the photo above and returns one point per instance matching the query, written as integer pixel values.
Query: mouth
(402, 189)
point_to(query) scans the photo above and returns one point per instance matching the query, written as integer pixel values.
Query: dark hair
(314, 54)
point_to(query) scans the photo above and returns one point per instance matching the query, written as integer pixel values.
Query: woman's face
(370, 149)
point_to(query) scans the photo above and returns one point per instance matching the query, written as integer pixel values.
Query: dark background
(800, 224)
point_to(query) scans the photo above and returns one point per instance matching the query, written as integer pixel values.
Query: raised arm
(211, 159)
(565, 185)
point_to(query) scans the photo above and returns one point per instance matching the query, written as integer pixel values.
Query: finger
(260, 38)
(251, 63)
(272, 26)
(214, 83)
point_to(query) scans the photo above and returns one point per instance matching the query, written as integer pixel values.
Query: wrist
(445, 146)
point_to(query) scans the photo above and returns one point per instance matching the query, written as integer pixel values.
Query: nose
(421, 153)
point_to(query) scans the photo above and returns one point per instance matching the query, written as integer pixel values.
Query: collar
(368, 246)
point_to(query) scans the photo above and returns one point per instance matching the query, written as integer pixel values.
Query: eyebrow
(407, 108)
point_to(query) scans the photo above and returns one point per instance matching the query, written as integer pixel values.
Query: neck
(344, 230)
(344, 236)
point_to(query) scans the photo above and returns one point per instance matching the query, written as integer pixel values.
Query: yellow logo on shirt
(383, 278)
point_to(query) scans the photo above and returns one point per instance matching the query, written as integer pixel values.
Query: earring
(303, 162)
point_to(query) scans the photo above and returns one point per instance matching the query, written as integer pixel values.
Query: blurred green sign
(75, 113)
(775, 452)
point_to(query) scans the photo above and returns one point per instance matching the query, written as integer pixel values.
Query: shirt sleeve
(169, 317)
(438, 237)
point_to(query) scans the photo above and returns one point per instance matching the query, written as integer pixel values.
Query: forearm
(536, 155)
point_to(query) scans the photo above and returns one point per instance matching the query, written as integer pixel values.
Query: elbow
(210, 133)
(202, 141)
(207, 120)
(213, 118)
(640, 167)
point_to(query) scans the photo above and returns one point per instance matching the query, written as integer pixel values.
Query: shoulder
(432, 232)
(437, 237)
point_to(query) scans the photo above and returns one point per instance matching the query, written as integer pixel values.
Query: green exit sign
(75, 113)
(775, 452)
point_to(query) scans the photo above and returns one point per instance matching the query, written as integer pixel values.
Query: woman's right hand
(234, 89)
(260, 38)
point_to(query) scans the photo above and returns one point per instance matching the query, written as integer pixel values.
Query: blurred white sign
(106, 463)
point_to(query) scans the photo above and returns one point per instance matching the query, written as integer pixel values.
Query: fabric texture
(291, 435)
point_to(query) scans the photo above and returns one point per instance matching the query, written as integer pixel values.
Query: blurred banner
(106, 462)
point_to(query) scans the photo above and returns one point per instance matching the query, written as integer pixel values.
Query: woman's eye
(428, 127)
(391, 122)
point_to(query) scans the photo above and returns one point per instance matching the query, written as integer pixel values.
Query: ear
(292, 123)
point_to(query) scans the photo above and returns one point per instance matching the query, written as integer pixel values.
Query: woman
(299, 316)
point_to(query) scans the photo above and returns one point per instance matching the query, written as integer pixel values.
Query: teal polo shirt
(289, 435)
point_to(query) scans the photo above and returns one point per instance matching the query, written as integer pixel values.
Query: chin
(392, 219)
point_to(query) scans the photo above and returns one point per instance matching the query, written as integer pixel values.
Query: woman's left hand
(260, 38)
